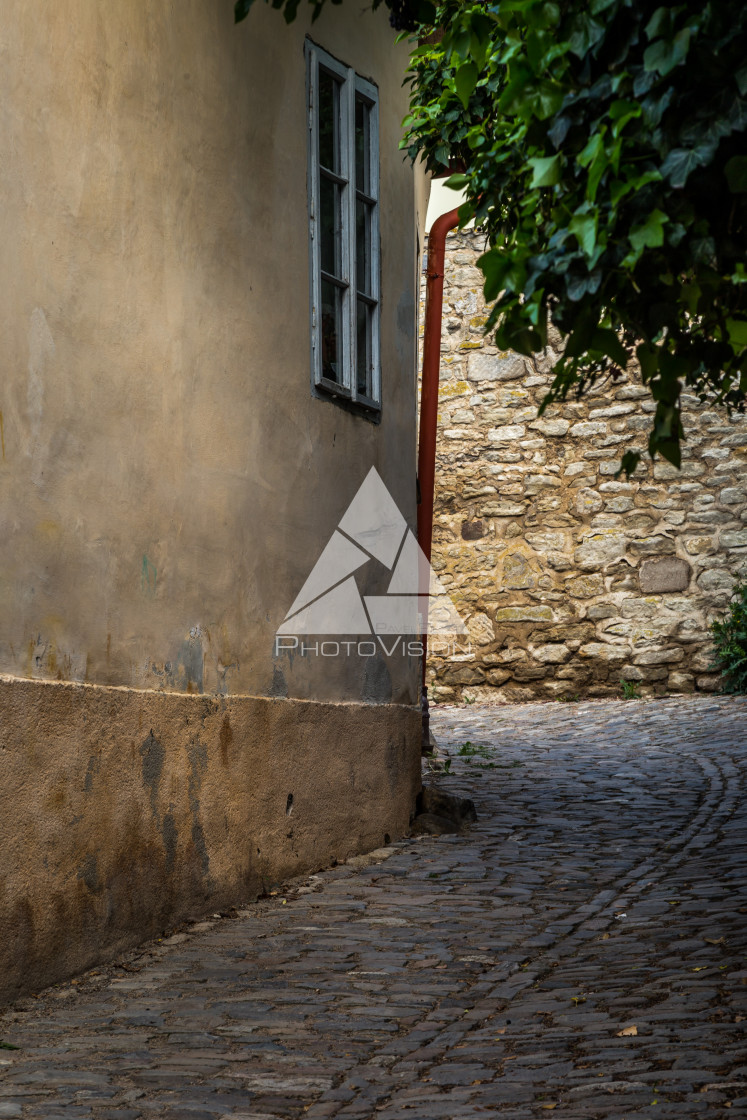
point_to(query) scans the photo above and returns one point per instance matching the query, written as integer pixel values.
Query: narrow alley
(581, 950)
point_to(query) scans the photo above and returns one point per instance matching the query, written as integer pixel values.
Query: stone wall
(569, 578)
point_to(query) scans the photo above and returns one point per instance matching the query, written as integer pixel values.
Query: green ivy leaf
(465, 81)
(649, 234)
(594, 146)
(680, 162)
(663, 55)
(545, 170)
(457, 182)
(621, 112)
(648, 358)
(584, 228)
(737, 331)
(461, 41)
(494, 266)
(605, 341)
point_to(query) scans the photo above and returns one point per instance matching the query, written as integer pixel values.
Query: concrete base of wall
(123, 812)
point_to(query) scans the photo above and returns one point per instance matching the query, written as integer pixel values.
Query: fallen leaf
(700, 968)
(578, 999)
(549, 1106)
(626, 1032)
(715, 940)
(739, 1018)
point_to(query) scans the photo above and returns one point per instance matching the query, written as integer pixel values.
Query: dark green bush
(730, 643)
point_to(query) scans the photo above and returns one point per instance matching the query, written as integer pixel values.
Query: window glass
(363, 246)
(331, 330)
(329, 122)
(362, 146)
(363, 348)
(330, 226)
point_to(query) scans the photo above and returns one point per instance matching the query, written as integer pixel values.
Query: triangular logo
(372, 528)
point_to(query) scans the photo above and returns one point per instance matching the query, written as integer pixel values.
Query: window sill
(336, 394)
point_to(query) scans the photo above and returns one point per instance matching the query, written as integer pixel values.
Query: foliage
(730, 643)
(602, 145)
(629, 690)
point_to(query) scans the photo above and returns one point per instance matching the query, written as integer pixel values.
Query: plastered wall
(166, 480)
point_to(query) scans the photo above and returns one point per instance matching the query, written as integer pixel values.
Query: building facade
(209, 327)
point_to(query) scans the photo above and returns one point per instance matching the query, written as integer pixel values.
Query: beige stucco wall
(167, 480)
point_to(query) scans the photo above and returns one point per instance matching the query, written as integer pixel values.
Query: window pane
(331, 332)
(362, 146)
(363, 263)
(363, 349)
(330, 231)
(329, 122)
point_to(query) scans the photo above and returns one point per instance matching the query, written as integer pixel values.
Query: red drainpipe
(434, 300)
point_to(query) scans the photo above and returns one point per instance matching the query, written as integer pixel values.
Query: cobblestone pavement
(581, 950)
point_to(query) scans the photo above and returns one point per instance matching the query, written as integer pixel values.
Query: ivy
(601, 145)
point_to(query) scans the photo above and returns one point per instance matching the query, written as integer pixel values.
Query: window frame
(352, 87)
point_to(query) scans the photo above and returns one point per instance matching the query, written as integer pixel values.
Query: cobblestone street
(580, 951)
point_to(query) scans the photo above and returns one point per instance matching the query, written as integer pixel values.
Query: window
(344, 230)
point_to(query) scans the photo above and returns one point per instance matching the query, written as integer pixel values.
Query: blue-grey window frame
(351, 85)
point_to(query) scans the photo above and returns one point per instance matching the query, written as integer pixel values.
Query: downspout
(434, 300)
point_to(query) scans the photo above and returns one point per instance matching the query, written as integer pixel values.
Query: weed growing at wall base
(629, 689)
(730, 643)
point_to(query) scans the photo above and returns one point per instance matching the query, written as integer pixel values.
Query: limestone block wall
(569, 578)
